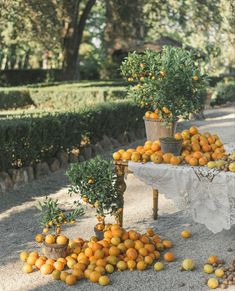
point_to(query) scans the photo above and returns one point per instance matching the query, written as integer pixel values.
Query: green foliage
(14, 98)
(224, 92)
(169, 81)
(59, 96)
(28, 139)
(95, 181)
(53, 216)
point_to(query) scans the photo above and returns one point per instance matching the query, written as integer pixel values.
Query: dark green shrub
(26, 140)
(14, 98)
(223, 93)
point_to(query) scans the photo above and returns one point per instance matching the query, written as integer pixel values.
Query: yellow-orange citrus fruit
(78, 273)
(46, 269)
(117, 156)
(213, 260)
(59, 266)
(50, 239)
(193, 130)
(61, 240)
(27, 268)
(141, 266)
(169, 257)
(131, 265)
(104, 280)
(94, 276)
(56, 274)
(24, 256)
(70, 280)
(186, 233)
(39, 238)
(63, 276)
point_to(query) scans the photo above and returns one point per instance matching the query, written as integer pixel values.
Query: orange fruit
(108, 234)
(96, 246)
(94, 276)
(185, 234)
(131, 265)
(156, 254)
(117, 232)
(148, 145)
(112, 260)
(87, 273)
(117, 156)
(167, 244)
(156, 238)
(56, 274)
(34, 254)
(178, 135)
(167, 157)
(126, 156)
(104, 280)
(70, 280)
(203, 161)
(32, 260)
(175, 161)
(141, 266)
(88, 252)
(197, 155)
(115, 240)
(50, 239)
(39, 262)
(131, 151)
(150, 232)
(47, 269)
(100, 270)
(185, 153)
(160, 247)
(195, 146)
(129, 243)
(185, 134)
(187, 158)
(153, 115)
(39, 238)
(156, 158)
(149, 247)
(131, 254)
(148, 260)
(59, 266)
(147, 114)
(155, 147)
(121, 266)
(143, 251)
(24, 256)
(109, 268)
(122, 247)
(61, 240)
(78, 273)
(114, 251)
(71, 262)
(133, 235)
(63, 276)
(27, 268)
(193, 130)
(50, 261)
(206, 148)
(138, 244)
(193, 162)
(135, 157)
(169, 257)
(213, 260)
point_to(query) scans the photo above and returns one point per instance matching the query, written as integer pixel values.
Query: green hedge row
(25, 140)
(66, 96)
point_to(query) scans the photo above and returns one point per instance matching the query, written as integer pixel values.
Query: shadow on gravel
(38, 188)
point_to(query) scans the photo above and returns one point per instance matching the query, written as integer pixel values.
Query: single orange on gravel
(70, 280)
(169, 257)
(185, 234)
(27, 268)
(167, 244)
(104, 280)
(213, 260)
(24, 256)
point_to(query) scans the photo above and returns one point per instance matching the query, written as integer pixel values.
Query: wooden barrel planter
(55, 251)
(156, 129)
(171, 145)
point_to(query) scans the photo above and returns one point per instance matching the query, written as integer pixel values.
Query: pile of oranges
(157, 114)
(119, 250)
(198, 149)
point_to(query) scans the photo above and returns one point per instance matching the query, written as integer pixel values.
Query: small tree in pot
(168, 82)
(95, 181)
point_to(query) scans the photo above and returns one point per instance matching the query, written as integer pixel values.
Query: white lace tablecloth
(209, 193)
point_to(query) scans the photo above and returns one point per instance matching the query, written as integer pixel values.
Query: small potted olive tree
(95, 181)
(52, 218)
(167, 84)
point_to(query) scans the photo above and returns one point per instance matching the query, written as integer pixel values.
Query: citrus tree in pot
(52, 218)
(168, 84)
(95, 181)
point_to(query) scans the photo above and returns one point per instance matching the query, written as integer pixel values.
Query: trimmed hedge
(14, 99)
(26, 140)
(224, 92)
(62, 96)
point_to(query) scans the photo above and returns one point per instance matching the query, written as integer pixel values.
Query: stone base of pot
(156, 129)
(99, 233)
(54, 251)
(171, 145)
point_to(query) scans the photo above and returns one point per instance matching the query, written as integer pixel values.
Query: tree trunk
(73, 38)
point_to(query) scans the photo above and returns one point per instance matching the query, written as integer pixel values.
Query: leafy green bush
(224, 92)
(26, 140)
(14, 98)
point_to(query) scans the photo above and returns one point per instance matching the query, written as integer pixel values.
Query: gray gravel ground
(18, 225)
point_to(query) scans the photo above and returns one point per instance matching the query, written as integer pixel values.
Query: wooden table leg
(121, 186)
(155, 204)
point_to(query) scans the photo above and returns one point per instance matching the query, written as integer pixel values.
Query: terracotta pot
(171, 145)
(156, 129)
(99, 233)
(54, 251)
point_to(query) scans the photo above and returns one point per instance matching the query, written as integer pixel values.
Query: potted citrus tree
(52, 218)
(95, 181)
(168, 84)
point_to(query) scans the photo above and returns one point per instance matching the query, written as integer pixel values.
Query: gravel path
(18, 225)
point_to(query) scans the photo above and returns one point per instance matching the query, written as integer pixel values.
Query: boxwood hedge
(26, 140)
